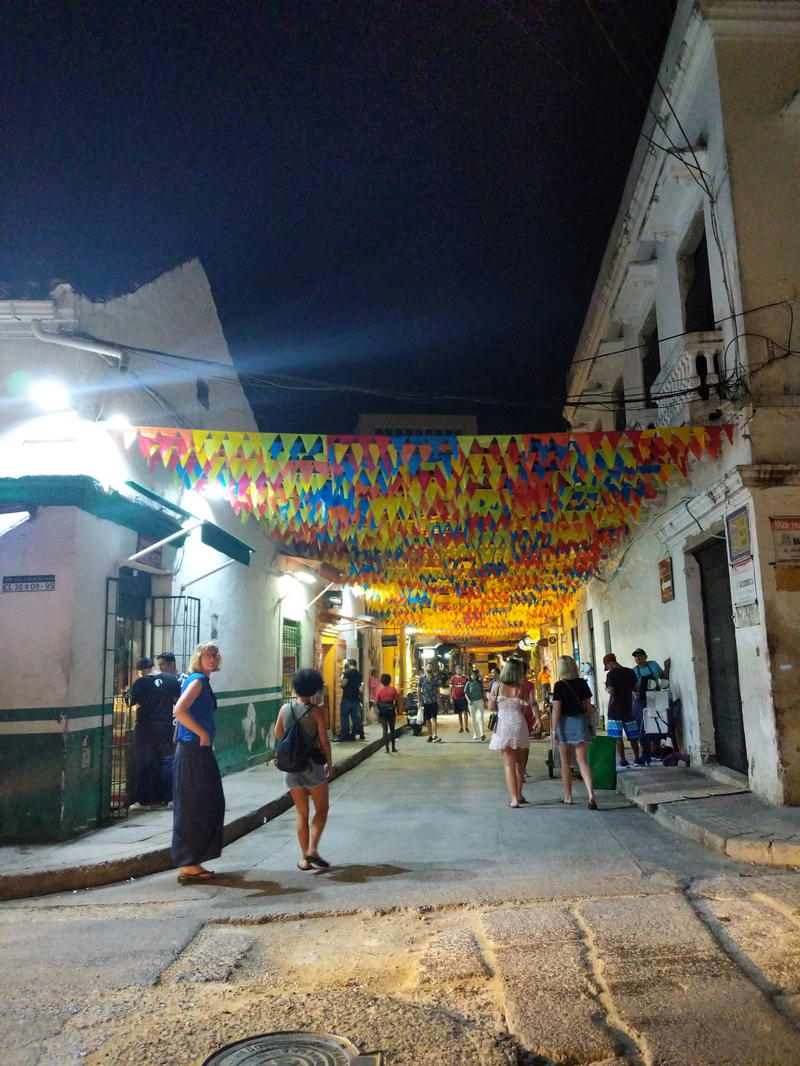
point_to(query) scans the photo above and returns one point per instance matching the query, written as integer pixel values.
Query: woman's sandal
(567, 803)
(307, 866)
(196, 879)
(317, 860)
(593, 805)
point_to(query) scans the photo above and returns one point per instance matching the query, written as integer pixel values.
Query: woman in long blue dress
(199, 811)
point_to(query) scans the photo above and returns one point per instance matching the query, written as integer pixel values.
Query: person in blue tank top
(199, 802)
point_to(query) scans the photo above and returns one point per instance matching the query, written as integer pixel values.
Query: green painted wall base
(56, 785)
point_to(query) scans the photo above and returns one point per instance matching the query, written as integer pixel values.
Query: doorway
(328, 672)
(136, 625)
(723, 662)
(125, 640)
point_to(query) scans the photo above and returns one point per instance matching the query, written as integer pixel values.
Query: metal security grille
(124, 643)
(175, 627)
(292, 636)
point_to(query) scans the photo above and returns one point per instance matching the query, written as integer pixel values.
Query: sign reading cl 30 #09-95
(29, 583)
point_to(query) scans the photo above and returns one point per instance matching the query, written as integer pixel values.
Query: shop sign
(29, 583)
(738, 526)
(665, 580)
(786, 539)
(389, 641)
(743, 584)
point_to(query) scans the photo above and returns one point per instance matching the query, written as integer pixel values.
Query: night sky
(409, 195)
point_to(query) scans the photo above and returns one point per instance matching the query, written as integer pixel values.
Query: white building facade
(84, 594)
(693, 322)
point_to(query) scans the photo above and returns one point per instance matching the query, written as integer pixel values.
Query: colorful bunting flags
(482, 537)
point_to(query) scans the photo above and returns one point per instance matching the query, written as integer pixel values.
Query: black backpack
(293, 752)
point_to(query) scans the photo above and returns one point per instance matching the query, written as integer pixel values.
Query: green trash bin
(602, 759)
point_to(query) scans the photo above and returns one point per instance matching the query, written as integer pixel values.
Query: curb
(72, 878)
(756, 850)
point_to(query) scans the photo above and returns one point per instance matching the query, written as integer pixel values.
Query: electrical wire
(260, 381)
(590, 90)
(658, 121)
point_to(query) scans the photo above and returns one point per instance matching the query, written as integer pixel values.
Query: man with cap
(648, 674)
(621, 684)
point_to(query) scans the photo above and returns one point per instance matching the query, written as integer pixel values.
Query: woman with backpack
(313, 780)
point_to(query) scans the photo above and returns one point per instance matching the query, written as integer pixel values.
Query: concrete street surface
(449, 931)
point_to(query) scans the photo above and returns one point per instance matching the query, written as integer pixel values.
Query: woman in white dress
(511, 736)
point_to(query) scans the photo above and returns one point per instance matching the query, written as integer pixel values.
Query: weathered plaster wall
(36, 627)
(174, 314)
(780, 654)
(762, 150)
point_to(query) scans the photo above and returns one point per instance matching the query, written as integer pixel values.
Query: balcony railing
(693, 384)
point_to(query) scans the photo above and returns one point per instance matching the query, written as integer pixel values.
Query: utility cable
(588, 89)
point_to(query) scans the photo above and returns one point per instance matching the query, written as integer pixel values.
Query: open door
(723, 662)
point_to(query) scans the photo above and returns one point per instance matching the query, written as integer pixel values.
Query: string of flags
(468, 536)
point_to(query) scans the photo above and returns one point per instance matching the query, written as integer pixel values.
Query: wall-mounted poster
(743, 584)
(738, 526)
(665, 580)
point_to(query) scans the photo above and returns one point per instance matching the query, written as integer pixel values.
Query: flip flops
(317, 860)
(196, 879)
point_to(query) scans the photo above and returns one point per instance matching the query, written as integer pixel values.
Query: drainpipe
(107, 351)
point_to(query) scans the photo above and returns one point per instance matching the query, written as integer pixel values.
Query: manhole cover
(293, 1049)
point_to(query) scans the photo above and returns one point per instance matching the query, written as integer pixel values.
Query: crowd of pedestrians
(174, 760)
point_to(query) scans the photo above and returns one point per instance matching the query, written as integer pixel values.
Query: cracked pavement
(450, 930)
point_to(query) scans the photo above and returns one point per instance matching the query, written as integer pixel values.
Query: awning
(87, 494)
(212, 535)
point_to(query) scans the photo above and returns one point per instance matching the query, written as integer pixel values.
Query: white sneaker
(621, 768)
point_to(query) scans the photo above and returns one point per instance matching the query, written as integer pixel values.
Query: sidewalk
(722, 815)
(140, 844)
